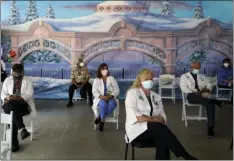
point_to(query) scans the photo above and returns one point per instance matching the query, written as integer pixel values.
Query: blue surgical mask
(148, 84)
(195, 71)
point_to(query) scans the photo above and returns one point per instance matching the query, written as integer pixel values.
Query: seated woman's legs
(103, 105)
(164, 140)
(111, 106)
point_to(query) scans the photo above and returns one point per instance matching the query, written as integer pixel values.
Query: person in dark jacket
(3, 74)
(225, 76)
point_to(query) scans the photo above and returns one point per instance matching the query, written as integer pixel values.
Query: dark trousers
(220, 86)
(20, 109)
(206, 102)
(163, 139)
(87, 88)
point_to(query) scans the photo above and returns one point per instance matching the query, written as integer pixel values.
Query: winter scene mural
(48, 37)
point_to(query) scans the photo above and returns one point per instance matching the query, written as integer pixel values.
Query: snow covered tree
(167, 8)
(14, 18)
(32, 11)
(198, 12)
(50, 11)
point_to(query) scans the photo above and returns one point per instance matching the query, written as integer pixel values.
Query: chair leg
(32, 130)
(133, 153)
(126, 152)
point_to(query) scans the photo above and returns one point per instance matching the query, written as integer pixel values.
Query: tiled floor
(63, 133)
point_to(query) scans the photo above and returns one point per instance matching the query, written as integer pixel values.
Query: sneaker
(101, 126)
(97, 120)
(211, 132)
(24, 134)
(70, 103)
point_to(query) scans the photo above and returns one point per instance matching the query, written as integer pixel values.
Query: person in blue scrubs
(225, 76)
(105, 91)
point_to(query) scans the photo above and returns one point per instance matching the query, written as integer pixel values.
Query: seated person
(80, 79)
(105, 91)
(225, 76)
(194, 85)
(17, 95)
(145, 119)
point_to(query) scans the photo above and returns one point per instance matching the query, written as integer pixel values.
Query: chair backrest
(7, 118)
(164, 77)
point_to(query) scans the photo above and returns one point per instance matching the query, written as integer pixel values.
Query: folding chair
(171, 86)
(77, 96)
(222, 89)
(147, 144)
(113, 118)
(184, 115)
(6, 144)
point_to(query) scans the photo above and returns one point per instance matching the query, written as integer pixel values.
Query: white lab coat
(137, 104)
(187, 83)
(98, 89)
(27, 92)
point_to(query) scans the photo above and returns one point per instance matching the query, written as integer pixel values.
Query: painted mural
(164, 36)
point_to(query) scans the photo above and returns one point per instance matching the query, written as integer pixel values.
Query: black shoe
(230, 104)
(24, 134)
(189, 157)
(70, 103)
(15, 148)
(90, 102)
(97, 120)
(101, 126)
(211, 132)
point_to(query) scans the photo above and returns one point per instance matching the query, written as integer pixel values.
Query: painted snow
(49, 88)
(102, 22)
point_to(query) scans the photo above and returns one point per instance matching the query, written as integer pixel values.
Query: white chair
(113, 118)
(6, 144)
(184, 114)
(162, 79)
(77, 96)
(222, 89)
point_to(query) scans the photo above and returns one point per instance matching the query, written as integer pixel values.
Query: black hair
(18, 68)
(101, 66)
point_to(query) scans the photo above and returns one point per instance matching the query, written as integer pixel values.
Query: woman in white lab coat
(145, 119)
(105, 91)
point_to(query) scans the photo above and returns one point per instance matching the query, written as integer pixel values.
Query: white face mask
(81, 64)
(195, 71)
(226, 65)
(148, 84)
(104, 72)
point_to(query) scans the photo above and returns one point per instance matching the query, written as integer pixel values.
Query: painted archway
(122, 44)
(40, 43)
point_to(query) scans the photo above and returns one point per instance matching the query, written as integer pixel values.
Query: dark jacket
(3, 75)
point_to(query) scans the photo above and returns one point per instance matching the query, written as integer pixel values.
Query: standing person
(3, 74)
(80, 79)
(225, 77)
(17, 95)
(146, 119)
(194, 85)
(105, 92)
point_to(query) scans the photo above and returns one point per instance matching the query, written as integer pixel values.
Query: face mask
(148, 84)
(104, 72)
(226, 65)
(195, 71)
(81, 64)
(18, 76)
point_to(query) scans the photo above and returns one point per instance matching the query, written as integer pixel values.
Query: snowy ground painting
(50, 88)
